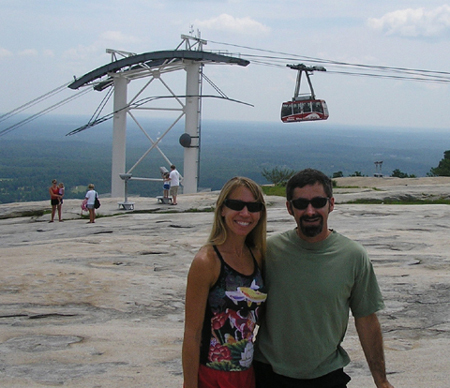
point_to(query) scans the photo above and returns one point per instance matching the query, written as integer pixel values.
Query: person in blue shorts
(166, 185)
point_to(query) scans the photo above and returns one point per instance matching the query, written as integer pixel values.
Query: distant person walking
(90, 196)
(174, 177)
(55, 200)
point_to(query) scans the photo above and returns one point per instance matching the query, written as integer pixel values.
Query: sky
(44, 44)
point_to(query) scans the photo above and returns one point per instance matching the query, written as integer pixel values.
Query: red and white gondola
(304, 107)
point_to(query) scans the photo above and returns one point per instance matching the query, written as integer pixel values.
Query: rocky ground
(101, 305)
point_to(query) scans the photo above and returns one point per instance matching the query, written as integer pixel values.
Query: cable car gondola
(304, 107)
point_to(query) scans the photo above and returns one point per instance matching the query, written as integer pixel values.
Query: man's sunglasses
(237, 205)
(303, 203)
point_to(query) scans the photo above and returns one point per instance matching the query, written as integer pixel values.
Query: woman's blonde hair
(91, 186)
(257, 237)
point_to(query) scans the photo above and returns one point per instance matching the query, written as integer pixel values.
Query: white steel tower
(153, 65)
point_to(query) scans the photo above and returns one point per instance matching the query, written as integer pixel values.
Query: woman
(90, 196)
(225, 291)
(61, 192)
(55, 199)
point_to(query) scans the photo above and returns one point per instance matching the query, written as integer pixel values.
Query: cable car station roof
(142, 63)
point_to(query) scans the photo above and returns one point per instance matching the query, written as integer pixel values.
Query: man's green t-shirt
(311, 289)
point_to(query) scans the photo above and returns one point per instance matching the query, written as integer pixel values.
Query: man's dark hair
(306, 177)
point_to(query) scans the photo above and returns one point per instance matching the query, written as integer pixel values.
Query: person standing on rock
(225, 291)
(314, 278)
(174, 177)
(90, 196)
(55, 200)
(61, 192)
(166, 186)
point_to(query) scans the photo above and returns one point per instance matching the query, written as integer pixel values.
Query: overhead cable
(42, 112)
(271, 60)
(33, 102)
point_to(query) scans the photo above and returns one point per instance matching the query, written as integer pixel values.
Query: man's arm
(369, 332)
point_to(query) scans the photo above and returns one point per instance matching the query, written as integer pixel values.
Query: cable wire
(422, 75)
(270, 58)
(42, 112)
(33, 102)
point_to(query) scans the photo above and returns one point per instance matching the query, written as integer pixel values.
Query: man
(174, 177)
(314, 277)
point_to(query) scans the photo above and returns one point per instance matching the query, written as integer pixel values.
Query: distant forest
(35, 154)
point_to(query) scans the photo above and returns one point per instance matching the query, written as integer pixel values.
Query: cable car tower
(304, 107)
(154, 65)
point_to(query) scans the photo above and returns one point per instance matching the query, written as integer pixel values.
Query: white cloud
(5, 53)
(229, 23)
(29, 53)
(414, 22)
(49, 53)
(81, 52)
(117, 37)
(107, 39)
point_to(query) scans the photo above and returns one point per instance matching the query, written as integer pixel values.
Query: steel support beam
(119, 137)
(192, 121)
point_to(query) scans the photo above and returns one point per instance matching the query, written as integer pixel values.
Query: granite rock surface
(102, 305)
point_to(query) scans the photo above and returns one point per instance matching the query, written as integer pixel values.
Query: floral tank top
(230, 318)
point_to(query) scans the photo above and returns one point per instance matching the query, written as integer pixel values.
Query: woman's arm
(204, 271)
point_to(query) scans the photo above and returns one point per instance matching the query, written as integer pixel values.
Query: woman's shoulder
(206, 254)
(206, 258)
(206, 265)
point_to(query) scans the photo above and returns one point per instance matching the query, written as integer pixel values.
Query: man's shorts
(174, 191)
(267, 378)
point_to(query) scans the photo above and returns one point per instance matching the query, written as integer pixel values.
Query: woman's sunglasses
(237, 205)
(303, 203)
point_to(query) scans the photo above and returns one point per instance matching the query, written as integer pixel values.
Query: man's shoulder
(289, 237)
(280, 240)
(280, 236)
(340, 238)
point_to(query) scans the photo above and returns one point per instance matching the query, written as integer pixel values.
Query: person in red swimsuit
(55, 199)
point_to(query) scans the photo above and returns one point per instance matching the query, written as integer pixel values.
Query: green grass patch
(347, 187)
(202, 210)
(172, 211)
(440, 201)
(274, 190)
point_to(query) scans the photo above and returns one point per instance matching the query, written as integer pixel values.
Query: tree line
(27, 167)
(279, 176)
